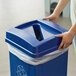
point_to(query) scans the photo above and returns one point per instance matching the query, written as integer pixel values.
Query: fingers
(61, 45)
(66, 40)
(45, 18)
(66, 45)
(49, 18)
(61, 35)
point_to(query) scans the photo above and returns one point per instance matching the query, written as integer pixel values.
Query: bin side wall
(18, 67)
(55, 67)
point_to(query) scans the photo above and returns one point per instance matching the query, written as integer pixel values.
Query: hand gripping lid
(35, 38)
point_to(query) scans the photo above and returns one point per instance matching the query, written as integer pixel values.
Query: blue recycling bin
(33, 49)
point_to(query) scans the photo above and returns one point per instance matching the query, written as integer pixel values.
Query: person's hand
(67, 38)
(52, 17)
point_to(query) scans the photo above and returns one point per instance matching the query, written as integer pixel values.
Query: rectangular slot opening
(38, 31)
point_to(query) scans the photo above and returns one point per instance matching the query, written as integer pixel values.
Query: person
(67, 37)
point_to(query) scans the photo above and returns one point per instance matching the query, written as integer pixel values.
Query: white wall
(66, 12)
(47, 6)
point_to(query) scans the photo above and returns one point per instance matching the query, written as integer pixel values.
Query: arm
(73, 29)
(67, 37)
(60, 6)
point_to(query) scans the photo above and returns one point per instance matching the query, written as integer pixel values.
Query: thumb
(60, 35)
(45, 18)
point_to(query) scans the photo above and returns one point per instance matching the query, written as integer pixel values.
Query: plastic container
(33, 49)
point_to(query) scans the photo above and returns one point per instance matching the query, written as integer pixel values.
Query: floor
(4, 56)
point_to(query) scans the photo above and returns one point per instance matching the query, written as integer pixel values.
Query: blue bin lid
(24, 37)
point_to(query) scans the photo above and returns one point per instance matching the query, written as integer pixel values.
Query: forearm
(60, 6)
(73, 29)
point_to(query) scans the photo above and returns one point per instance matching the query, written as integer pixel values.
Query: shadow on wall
(53, 6)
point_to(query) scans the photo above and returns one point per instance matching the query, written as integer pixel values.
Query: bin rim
(17, 37)
(35, 61)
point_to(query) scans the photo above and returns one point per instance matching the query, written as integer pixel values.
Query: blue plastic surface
(55, 67)
(24, 37)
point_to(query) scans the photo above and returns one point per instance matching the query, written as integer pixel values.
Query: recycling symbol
(20, 71)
